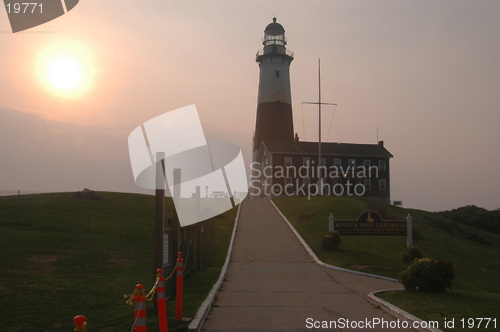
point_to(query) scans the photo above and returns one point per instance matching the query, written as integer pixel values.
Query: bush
(427, 275)
(331, 240)
(410, 254)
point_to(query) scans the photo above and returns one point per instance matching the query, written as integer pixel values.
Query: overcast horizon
(421, 76)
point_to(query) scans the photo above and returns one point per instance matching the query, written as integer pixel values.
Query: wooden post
(159, 212)
(176, 226)
(198, 230)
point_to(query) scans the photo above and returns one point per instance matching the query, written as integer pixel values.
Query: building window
(288, 161)
(288, 182)
(381, 165)
(368, 184)
(322, 169)
(306, 161)
(366, 163)
(337, 162)
(382, 184)
(277, 73)
(352, 162)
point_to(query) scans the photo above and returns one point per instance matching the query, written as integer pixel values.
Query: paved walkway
(272, 284)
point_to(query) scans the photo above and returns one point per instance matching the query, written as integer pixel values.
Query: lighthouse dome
(274, 29)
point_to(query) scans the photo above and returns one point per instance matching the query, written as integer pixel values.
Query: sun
(65, 69)
(65, 73)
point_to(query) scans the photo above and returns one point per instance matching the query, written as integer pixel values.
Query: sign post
(331, 223)
(409, 231)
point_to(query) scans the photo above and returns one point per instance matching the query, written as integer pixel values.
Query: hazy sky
(426, 73)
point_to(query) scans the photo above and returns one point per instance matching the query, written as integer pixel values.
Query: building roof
(274, 28)
(337, 149)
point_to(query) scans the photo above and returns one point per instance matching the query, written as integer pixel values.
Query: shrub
(427, 275)
(331, 240)
(410, 254)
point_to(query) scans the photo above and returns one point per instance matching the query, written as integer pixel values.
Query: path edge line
(396, 311)
(384, 305)
(202, 313)
(317, 260)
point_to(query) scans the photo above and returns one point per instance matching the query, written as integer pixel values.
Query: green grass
(378, 255)
(58, 262)
(478, 266)
(450, 306)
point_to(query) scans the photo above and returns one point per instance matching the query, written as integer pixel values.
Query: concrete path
(272, 284)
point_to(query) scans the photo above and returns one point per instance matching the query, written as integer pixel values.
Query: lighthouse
(282, 164)
(274, 120)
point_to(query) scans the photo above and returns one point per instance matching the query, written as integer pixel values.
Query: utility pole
(159, 210)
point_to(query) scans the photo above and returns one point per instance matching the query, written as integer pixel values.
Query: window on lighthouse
(277, 73)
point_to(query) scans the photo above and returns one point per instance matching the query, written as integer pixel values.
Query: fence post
(159, 210)
(409, 230)
(180, 281)
(198, 227)
(331, 220)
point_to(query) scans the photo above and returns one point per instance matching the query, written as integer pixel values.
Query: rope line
(303, 126)
(331, 122)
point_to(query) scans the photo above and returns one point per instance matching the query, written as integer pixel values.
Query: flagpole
(319, 103)
(319, 125)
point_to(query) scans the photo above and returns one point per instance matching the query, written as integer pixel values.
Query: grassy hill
(63, 256)
(474, 216)
(474, 252)
(478, 265)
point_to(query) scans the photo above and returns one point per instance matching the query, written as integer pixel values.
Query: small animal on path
(305, 217)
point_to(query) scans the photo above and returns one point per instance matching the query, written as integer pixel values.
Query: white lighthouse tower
(274, 111)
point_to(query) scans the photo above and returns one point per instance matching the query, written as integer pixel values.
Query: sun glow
(65, 73)
(65, 69)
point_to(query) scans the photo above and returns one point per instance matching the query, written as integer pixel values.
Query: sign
(165, 249)
(370, 223)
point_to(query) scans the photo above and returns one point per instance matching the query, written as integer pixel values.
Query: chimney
(296, 139)
(381, 143)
